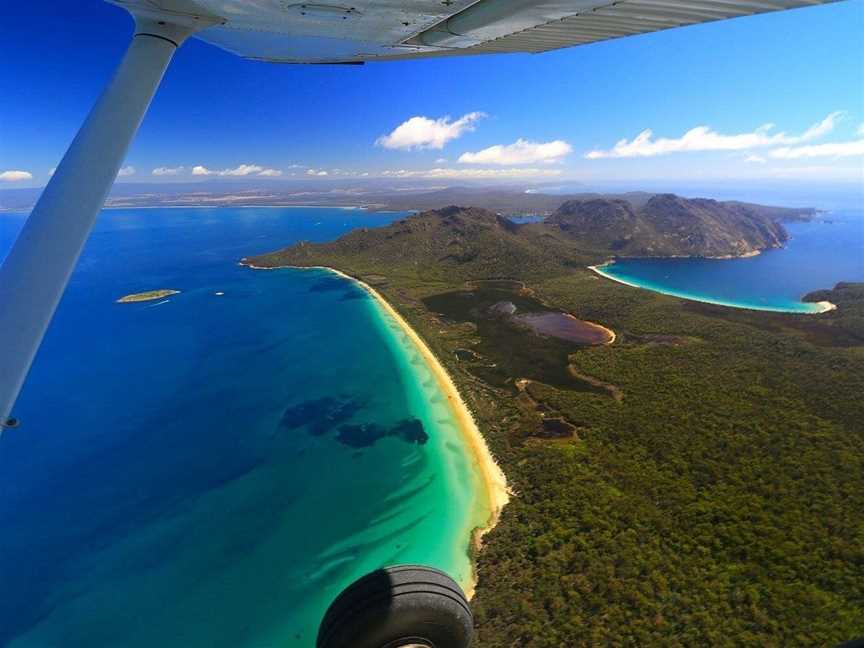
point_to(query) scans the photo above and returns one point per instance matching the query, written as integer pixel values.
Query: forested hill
(478, 242)
(454, 241)
(668, 225)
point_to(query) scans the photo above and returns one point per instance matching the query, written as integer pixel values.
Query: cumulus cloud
(126, 171)
(442, 172)
(835, 149)
(316, 172)
(167, 171)
(758, 159)
(520, 152)
(241, 171)
(15, 176)
(425, 133)
(702, 138)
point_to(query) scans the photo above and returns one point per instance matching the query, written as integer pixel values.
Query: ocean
(211, 469)
(819, 254)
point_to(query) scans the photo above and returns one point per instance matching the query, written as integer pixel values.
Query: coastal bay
(491, 483)
(610, 271)
(819, 252)
(296, 439)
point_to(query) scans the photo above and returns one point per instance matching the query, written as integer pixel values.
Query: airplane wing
(355, 31)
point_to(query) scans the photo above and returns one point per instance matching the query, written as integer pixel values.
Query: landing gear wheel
(409, 606)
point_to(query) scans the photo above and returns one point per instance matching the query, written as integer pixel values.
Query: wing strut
(37, 269)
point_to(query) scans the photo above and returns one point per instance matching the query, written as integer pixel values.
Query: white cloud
(835, 149)
(861, 129)
(316, 172)
(520, 152)
(425, 133)
(702, 138)
(441, 161)
(126, 171)
(241, 171)
(818, 129)
(15, 176)
(758, 159)
(472, 173)
(167, 171)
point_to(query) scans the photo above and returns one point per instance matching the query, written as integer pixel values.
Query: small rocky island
(150, 295)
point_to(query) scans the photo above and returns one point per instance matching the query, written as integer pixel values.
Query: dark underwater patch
(328, 285)
(354, 293)
(320, 415)
(364, 435)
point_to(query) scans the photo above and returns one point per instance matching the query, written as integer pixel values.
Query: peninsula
(662, 484)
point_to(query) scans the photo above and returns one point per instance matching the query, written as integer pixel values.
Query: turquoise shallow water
(819, 254)
(211, 470)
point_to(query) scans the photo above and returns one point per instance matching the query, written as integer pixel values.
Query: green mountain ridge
(478, 242)
(668, 225)
(464, 241)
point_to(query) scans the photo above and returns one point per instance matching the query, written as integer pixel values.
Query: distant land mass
(504, 200)
(695, 478)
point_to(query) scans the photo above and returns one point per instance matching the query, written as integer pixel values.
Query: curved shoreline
(492, 477)
(822, 306)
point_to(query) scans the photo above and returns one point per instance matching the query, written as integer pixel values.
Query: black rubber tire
(399, 606)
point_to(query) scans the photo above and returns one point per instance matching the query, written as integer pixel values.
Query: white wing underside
(332, 31)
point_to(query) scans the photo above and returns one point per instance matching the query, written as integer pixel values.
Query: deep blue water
(180, 477)
(819, 254)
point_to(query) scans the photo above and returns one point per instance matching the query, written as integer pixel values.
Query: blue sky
(572, 114)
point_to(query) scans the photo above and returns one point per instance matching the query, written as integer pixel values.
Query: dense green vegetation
(668, 225)
(708, 486)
